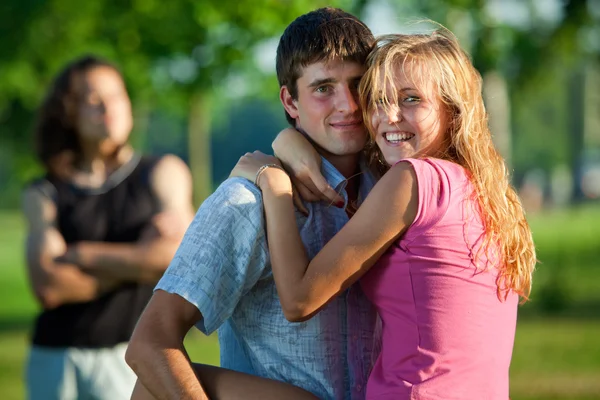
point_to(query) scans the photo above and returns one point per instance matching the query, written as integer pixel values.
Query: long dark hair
(55, 132)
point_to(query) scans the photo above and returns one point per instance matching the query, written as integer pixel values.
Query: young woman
(441, 245)
(103, 224)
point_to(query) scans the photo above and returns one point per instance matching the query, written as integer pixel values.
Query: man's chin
(355, 146)
(108, 146)
(347, 145)
(348, 149)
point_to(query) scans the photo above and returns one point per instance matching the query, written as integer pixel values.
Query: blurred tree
(175, 55)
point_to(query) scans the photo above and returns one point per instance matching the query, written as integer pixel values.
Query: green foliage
(194, 44)
(171, 53)
(540, 113)
(518, 48)
(566, 244)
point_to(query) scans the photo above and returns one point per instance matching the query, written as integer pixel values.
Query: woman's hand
(303, 163)
(249, 164)
(274, 179)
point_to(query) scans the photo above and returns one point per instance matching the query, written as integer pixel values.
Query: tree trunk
(576, 128)
(199, 146)
(497, 103)
(592, 106)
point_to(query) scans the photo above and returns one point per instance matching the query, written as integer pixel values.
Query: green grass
(557, 347)
(556, 359)
(567, 280)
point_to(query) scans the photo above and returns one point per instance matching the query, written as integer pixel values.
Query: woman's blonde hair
(439, 59)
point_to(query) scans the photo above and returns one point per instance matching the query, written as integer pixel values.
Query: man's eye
(322, 89)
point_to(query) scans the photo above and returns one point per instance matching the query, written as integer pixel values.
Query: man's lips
(346, 124)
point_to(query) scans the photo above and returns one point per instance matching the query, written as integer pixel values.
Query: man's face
(104, 110)
(327, 107)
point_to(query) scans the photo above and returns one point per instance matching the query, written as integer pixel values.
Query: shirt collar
(332, 175)
(338, 182)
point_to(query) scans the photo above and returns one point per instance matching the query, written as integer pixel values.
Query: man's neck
(347, 165)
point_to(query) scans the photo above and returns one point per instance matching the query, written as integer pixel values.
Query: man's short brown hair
(321, 35)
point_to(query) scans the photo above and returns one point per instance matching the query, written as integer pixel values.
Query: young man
(103, 223)
(221, 278)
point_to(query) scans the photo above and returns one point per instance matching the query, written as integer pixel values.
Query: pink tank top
(446, 335)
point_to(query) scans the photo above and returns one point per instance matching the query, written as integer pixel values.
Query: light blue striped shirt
(223, 268)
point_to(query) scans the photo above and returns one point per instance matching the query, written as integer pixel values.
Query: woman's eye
(411, 100)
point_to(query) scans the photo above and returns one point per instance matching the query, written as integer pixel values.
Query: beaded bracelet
(262, 169)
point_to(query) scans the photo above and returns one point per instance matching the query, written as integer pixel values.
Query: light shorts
(82, 374)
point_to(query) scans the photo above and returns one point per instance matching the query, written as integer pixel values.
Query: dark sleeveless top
(116, 212)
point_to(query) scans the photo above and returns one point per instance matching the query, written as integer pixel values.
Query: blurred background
(201, 77)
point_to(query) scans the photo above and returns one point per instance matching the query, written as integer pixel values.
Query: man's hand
(69, 257)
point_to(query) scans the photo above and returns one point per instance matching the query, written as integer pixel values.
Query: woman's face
(104, 109)
(415, 125)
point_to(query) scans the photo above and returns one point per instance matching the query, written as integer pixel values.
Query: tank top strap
(145, 167)
(45, 186)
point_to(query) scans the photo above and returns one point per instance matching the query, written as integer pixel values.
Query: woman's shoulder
(436, 181)
(438, 172)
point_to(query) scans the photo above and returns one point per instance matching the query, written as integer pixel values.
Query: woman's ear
(288, 102)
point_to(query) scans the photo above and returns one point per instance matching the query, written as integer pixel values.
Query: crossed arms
(61, 274)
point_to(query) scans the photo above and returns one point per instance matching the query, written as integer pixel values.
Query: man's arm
(54, 284)
(221, 257)
(147, 259)
(156, 352)
(172, 376)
